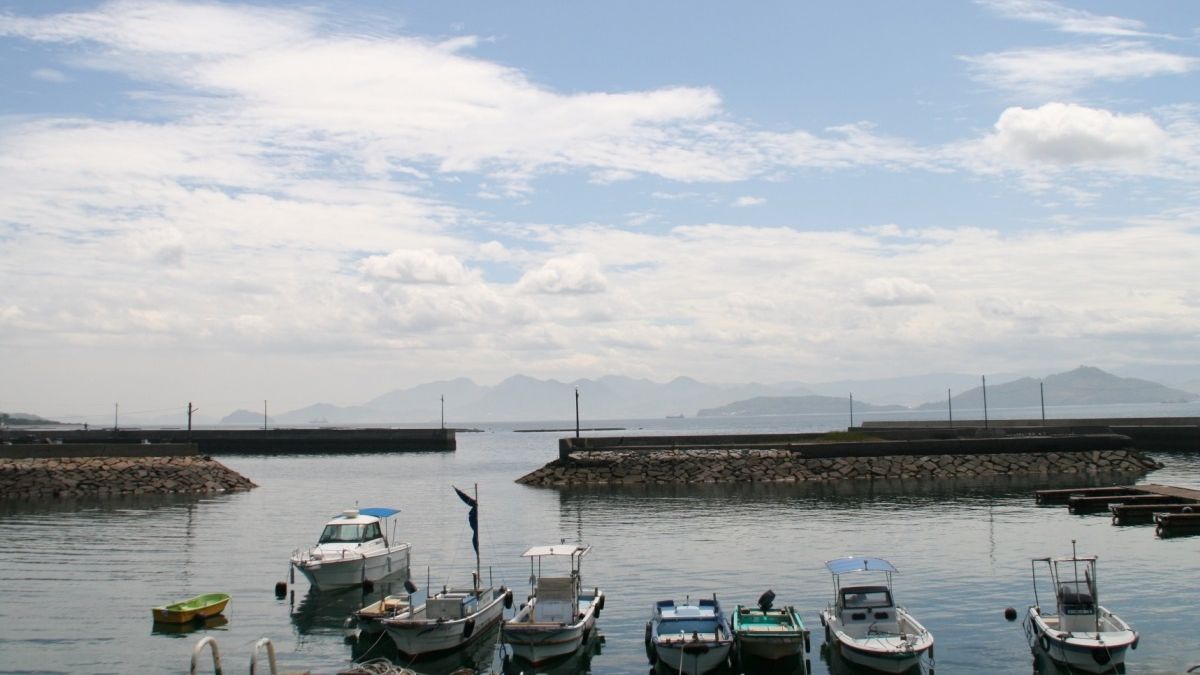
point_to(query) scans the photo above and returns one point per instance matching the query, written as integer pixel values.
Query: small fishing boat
(1079, 633)
(559, 615)
(369, 618)
(453, 617)
(866, 624)
(769, 633)
(194, 609)
(688, 638)
(353, 549)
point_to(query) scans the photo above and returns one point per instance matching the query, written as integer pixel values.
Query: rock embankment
(787, 466)
(108, 476)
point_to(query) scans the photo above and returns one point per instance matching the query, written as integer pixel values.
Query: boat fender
(280, 589)
(410, 586)
(600, 602)
(807, 642)
(1101, 656)
(1136, 640)
(508, 601)
(468, 628)
(822, 620)
(368, 585)
(1045, 642)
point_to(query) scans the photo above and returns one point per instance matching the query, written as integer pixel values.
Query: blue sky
(231, 202)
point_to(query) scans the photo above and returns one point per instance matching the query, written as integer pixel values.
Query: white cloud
(895, 291)
(1060, 133)
(749, 201)
(572, 275)
(49, 75)
(1058, 71)
(1066, 19)
(417, 267)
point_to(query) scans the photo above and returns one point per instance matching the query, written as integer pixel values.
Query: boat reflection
(578, 661)
(326, 612)
(183, 629)
(792, 665)
(475, 657)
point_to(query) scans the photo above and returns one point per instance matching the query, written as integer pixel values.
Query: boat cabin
(701, 619)
(869, 606)
(451, 605)
(356, 527)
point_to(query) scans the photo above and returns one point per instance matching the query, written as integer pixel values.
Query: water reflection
(183, 629)
(831, 655)
(326, 612)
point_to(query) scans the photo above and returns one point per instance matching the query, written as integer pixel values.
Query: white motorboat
(1079, 632)
(559, 615)
(448, 620)
(688, 638)
(353, 549)
(866, 624)
(453, 617)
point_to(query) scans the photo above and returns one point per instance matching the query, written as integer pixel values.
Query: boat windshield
(349, 533)
(1075, 598)
(866, 597)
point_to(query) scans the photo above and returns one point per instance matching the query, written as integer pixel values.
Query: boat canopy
(856, 563)
(557, 549)
(378, 512)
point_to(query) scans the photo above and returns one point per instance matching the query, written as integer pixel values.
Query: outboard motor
(765, 600)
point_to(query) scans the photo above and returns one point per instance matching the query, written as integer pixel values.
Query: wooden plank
(1126, 514)
(1062, 496)
(1100, 503)
(1170, 490)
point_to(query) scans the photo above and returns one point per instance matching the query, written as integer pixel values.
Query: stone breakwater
(787, 466)
(108, 476)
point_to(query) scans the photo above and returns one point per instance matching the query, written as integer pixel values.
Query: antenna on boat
(1075, 561)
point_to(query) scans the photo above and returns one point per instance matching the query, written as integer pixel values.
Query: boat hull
(538, 642)
(196, 609)
(1093, 652)
(692, 658)
(416, 637)
(884, 653)
(353, 570)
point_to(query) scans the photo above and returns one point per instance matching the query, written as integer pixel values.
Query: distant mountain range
(613, 397)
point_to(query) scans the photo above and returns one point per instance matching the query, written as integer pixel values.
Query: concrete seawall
(254, 441)
(100, 476)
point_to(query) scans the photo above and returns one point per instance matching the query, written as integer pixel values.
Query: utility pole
(190, 411)
(576, 412)
(985, 418)
(443, 411)
(264, 414)
(851, 410)
(1042, 393)
(116, 416)
(950, 407)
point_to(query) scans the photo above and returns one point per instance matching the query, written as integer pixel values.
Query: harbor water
(78, 578)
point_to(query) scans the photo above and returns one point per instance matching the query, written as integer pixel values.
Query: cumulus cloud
(49, 75)
(1058, 71)
(571, 275)
(417, 267)
(1061, 133)
(894, 291)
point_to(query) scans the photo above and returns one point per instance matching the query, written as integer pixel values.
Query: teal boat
(769, 633)
(199, 607)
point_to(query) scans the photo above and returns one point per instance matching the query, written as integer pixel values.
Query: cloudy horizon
(232, 202)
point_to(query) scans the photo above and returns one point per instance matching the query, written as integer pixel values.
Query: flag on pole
(472, 517)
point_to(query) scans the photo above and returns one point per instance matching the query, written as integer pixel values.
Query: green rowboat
(769, 633)
(199, 607)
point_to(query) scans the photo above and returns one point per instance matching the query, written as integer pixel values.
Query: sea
(78, 577)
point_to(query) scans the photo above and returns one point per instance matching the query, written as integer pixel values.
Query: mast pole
(478, 569)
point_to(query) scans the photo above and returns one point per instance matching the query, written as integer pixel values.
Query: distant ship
(675, 417)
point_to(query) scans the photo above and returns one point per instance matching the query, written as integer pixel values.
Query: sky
(227, 203)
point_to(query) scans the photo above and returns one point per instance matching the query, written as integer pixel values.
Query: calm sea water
(77, 579)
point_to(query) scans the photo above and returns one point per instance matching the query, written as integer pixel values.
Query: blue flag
(472, 517)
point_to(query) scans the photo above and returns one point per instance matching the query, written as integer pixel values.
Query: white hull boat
(448, 621)
(688, 638)
(866, 624)
(1078, 633)
(353, 549)
(559, 615)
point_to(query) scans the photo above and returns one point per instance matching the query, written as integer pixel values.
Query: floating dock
(1173, 510)
(279, 441)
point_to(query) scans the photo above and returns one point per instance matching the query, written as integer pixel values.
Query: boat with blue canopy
(354, 548)
(865, 623)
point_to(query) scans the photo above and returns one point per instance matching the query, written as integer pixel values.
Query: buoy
(468, 628)
(508, 599)
(1010, 613)
(280, 589)
(600, 603)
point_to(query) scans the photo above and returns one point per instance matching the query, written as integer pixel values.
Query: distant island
(793, 405)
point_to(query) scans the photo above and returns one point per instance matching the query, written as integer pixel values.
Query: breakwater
(254, 441)
(793, 458)
(1147, 433)
(107, 475)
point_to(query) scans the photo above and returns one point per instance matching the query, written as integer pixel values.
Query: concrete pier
(1148, 433)
(252, 441)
